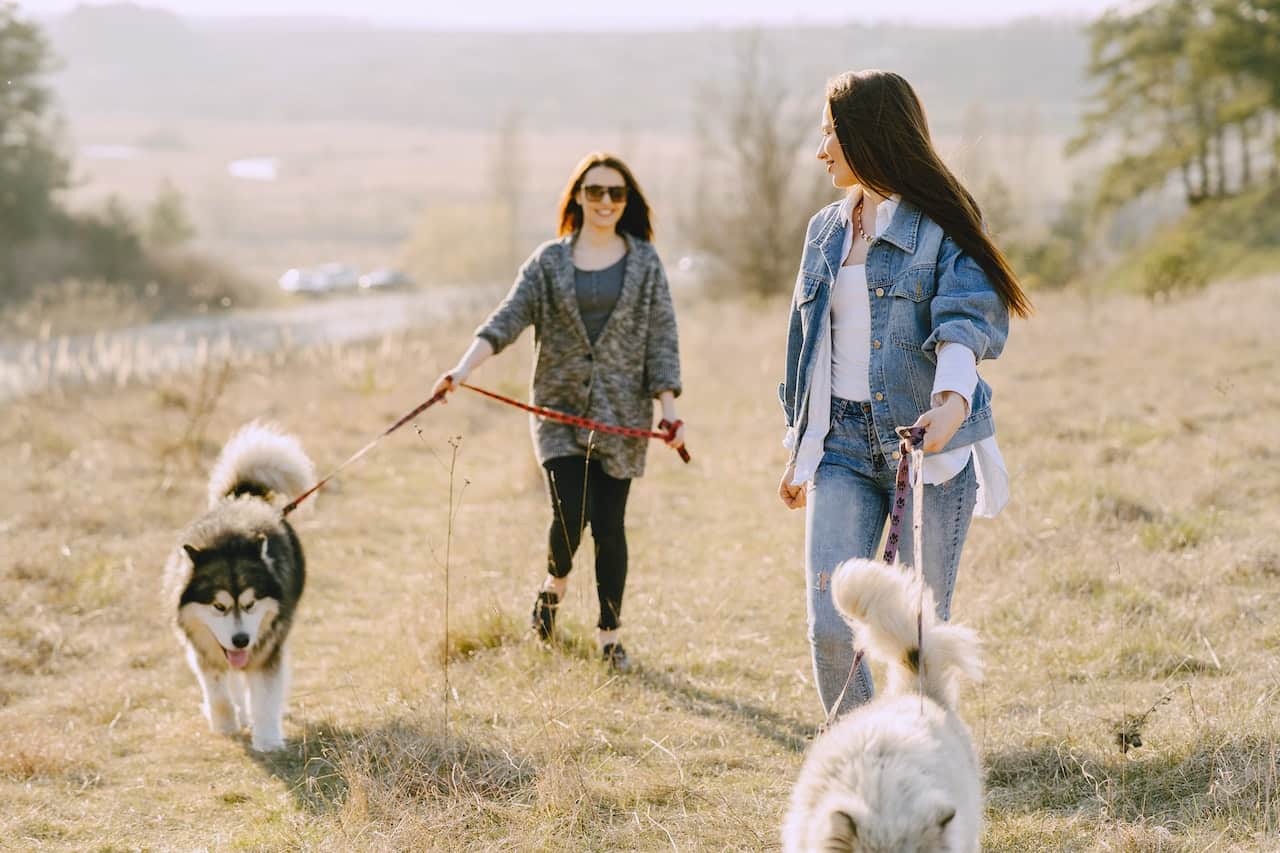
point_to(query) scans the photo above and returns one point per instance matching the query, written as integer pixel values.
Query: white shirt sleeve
(957, 371)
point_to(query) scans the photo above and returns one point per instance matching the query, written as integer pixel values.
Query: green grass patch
(1216, 240)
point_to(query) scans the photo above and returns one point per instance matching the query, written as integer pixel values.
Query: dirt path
(147, 351)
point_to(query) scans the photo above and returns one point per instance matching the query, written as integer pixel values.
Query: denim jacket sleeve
(518, 310)
(787, 388)
(795, 330)
(966, 308)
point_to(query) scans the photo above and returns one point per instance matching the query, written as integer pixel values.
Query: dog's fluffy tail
(261, 460)
(883, 601)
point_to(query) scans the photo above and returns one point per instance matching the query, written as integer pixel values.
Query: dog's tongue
(238, 659)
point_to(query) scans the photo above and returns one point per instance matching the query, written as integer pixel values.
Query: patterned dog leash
(912, 441)
(669, 428)
(911, 445)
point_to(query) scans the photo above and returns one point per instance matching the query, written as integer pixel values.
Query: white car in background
(299, 280)
(385, 279)
(339, 276)
(327, 278)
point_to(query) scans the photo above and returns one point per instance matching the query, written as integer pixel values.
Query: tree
(1140, 60)
(1175, 78)
(753, 197)
(1246, 39)
(510, 174)
(32, 166)
(168, 225)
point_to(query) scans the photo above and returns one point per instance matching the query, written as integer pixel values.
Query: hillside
(125, 59)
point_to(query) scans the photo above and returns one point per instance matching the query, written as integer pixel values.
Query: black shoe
(544, 614)
(616, 656)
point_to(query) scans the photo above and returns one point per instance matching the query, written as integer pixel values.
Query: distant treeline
(48, 252)
(129, 59)
(1191, 88)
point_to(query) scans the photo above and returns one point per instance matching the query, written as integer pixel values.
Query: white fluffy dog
(899, 774)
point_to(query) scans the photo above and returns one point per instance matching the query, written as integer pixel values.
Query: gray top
(598, 292)
(614, 379)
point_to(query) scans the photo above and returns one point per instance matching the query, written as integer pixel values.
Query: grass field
(1133, 574)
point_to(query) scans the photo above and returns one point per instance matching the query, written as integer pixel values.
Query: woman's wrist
(947, 398)
(668, 401)
(479, 350)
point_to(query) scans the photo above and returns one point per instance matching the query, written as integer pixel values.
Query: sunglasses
(595, 192)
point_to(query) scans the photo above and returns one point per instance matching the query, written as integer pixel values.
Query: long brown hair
(882, 130)
(635, 216)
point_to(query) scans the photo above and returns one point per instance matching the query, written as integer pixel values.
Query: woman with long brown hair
(901, 292)
(605, 349)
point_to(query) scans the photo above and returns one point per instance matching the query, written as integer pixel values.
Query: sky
(601, 14)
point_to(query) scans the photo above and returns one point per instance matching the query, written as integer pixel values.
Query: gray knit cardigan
(635, 358)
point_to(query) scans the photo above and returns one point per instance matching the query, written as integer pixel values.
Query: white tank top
(851, 334)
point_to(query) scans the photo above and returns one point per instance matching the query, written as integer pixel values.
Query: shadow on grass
(787, 732)
(1229, 777)
(400, 762)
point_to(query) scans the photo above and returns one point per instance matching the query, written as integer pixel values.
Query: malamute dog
(236, 579)
(899, 774)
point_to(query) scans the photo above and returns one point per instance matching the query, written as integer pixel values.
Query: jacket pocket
(807, 287)
(918, 285)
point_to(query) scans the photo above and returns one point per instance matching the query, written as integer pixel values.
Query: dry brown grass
(1136, 563)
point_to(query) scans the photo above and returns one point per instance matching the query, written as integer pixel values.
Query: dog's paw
(267, 741)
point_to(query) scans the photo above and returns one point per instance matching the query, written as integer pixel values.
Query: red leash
(669, 428)
(550, 414)
(293, 504)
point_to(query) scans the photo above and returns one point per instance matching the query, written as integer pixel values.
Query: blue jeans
(845, 515)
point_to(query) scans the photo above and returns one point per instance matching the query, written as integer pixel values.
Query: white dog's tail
(883, 601)
(261, 460)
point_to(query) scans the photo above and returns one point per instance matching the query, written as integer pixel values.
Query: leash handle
(672, 427)
(912, 438)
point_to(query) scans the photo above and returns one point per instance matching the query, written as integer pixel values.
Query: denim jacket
(923, 290)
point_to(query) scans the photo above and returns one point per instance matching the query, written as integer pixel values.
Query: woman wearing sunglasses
(605, 349)
(900, 294)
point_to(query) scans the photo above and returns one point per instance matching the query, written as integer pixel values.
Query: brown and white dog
(235, 581)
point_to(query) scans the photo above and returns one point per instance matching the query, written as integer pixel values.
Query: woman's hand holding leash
(479, 350)
(447, 382)
(676, 441)
(942, 422)
(672, 424)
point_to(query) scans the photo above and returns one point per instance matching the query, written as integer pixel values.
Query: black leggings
(570, 481)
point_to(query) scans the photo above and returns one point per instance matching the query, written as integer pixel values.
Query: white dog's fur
(268, 457)
(899, 774)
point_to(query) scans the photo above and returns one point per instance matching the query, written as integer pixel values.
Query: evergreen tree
(32, 166)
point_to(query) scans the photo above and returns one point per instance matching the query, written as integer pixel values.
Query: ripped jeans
(845, 513)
